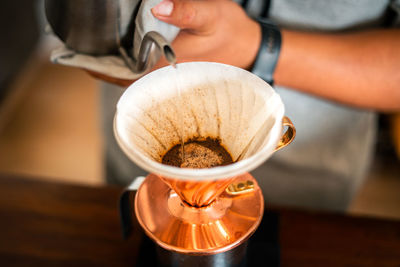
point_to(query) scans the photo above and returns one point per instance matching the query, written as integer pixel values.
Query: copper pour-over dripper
(200, 211)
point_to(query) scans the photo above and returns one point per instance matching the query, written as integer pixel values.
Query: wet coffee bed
(198, 155)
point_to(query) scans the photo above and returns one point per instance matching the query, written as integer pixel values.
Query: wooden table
(52, 224)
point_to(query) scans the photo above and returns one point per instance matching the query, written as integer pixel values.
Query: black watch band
(268, 53)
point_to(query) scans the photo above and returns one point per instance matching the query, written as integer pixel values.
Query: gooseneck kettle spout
(157, 39)
(151, 38)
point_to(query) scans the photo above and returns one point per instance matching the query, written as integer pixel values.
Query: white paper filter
(215, 100)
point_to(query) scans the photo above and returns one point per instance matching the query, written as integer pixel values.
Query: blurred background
(50, 124)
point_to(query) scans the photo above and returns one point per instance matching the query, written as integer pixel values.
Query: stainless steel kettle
(104, 27)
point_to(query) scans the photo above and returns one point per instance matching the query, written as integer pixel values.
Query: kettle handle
(288, 136)
(125, 206)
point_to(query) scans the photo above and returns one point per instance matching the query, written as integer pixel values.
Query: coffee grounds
(198, 155)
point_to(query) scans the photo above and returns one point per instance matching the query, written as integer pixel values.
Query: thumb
(196, 15)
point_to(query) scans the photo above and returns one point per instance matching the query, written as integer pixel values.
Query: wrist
(251, 45)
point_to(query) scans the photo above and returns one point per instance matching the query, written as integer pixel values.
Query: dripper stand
(201, 218)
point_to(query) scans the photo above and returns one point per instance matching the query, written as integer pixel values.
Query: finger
(195, 15)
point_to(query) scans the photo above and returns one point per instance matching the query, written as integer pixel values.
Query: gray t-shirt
(326, 164)
(329, 158)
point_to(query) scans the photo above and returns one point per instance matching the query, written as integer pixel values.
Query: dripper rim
(214, 173)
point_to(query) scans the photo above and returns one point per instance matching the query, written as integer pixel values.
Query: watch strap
(268, 53)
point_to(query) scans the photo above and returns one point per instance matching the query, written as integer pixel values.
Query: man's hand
(211, 30)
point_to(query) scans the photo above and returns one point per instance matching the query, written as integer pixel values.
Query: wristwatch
(268, 53)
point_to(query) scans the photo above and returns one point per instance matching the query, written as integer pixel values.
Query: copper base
(222, 225)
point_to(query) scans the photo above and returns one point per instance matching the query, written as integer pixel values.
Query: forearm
(360, 69)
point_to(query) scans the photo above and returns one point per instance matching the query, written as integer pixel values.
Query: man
(338, 62)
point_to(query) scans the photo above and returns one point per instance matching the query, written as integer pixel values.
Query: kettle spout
(149, 39)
